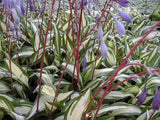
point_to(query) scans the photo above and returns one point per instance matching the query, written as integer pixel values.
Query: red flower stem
(106, 91)
(152, 115)
(2, 10)
(127, 79)
(68, 29)
(26, 31)
(121, 66)
(35, 8)
(40, 37)
(73, 75)
(98, 45)
(59, 5)
(106, 17)
(117, 48)
(77, 52)
(120, 83)
(111, 78)
(73, 33)
(8, 47)
(69, 61)
(94, 67)
(139, 42)
(16, 50)
(57, 89)
(43, 55)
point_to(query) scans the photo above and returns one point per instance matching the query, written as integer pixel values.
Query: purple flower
(84, 63)
(8, 3)
(23, 6)
(100, 33)
(84, 2)
(156, 101)
(7, 74)
(125, 16)
(104, 49)
(17, 34)
(31, 5)
(19, 5)
(14, 33)
(11, 25)
(142, 97)
(120, 27)
(42, 7)
(123, 3)
(19, 10)
(15, 16)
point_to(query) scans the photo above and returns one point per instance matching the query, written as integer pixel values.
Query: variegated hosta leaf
(6, 104)
(34, 108)
(46, 78)
(70, 69)
(4, 87)
(121, 109)
(18, 72)
(77, 108)
(63, 96)
(116, 95)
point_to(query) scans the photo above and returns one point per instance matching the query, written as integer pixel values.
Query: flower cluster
(125, 16)
(123, 3)
(31, 5)
(15, 8)
(90, 5)
(156, 99)
(155, 102)
(42, 7)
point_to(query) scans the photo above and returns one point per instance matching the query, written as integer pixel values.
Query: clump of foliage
(78, 60)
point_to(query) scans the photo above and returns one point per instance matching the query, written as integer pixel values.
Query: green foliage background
(118, 105)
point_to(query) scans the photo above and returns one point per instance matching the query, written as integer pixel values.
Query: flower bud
(142, 97)
(156, 101)
(125, 16)
(119, 27)
(84, 63)
(104, 49)
(100, 33)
